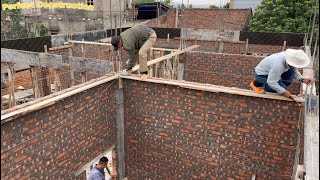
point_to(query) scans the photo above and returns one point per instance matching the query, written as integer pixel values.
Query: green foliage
(226, 6)
(38, 29)
(12, 23)
(283, 16)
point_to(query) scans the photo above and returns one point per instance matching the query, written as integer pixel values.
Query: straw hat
(297, 58)
(20, 88)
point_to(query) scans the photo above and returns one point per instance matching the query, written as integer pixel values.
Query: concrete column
(180, 71)
(221, 46)
(3, 81)
(120, 129)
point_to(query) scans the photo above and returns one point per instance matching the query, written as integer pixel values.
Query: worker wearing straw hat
(275, 73)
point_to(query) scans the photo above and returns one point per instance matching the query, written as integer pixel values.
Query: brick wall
(22, 78)
(55, 141)
(42, 80)
(228, 70)
(177, 133)
(229, 47)
(223, 19)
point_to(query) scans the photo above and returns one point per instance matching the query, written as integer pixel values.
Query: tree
(226, 6)
(282, 16)
(12, 26)
(214, 7)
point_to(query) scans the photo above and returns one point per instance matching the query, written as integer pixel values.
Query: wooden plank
(162, 58)
(151, 71)
(35, 82)
(48, 76)
(247, 46)
(92, 43)
(47, 102)
(70, 53)
(83, 77)
(61, 47)
(164, 49)
(12, 100)
(284, 45)
(57, 83)
(213, 88)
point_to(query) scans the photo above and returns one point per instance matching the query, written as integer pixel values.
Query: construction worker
(97, 172)
(275, 73)
(137, 41)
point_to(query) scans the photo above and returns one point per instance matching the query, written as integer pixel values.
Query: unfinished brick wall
(228, 47)
(55, 141)
(42, 80)
(230, 70)
(240, 48)
(224, 19)
(22, 78)
(177, 133)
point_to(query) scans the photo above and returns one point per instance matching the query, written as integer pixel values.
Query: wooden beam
(5, 117)
(213, 88)
(70, 68)
(57, 83)
(61, 47)
(83, 77)
(35, 82)
(12, 100)
(108, 44)
(162, 58)
(164, 49)
(92, 43)
(284, 45)
(247, 46)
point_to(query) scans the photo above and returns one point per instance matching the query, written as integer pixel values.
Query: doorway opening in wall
(110, 166)
(110, 154)
(90, 2)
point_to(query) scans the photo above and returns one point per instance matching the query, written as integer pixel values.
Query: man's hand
(307, 81)
(287, 94)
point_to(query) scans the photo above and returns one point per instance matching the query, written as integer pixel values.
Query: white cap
(297, 58)
(20, 88)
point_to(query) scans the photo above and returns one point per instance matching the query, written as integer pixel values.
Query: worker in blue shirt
(275, 73)
(97, 172)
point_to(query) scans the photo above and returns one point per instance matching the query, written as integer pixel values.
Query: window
(89, 2)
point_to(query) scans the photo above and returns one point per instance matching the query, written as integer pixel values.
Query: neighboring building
(105, 15)
(243, 4)
(151, 10)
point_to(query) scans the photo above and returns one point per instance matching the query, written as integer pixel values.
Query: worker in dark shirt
(137, 41)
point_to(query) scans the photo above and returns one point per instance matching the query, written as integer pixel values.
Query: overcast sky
(201, 2)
